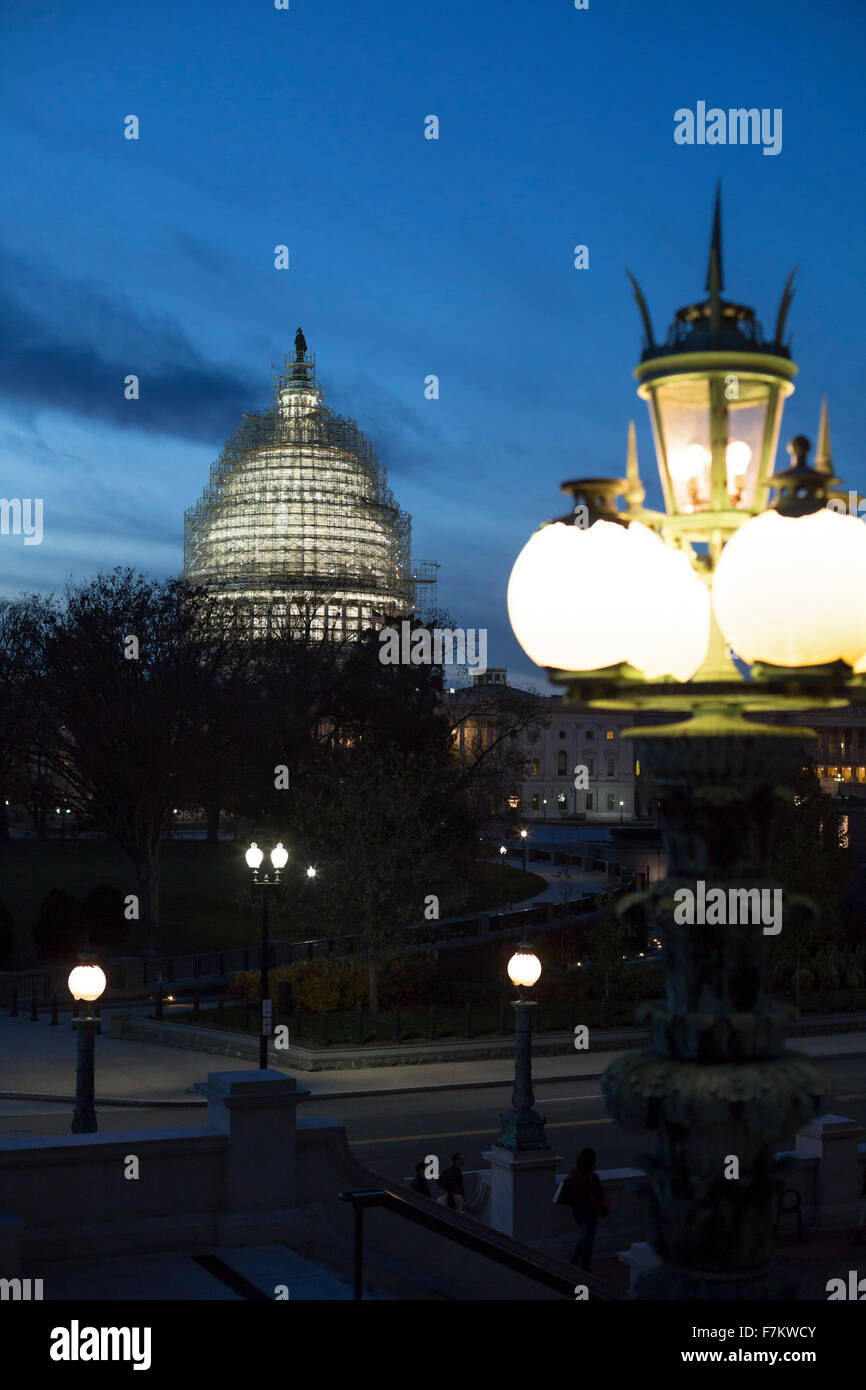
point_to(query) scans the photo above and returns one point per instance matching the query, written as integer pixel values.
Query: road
(391, 1133)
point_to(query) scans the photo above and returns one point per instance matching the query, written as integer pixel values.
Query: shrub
(316, 984)
(60, 929)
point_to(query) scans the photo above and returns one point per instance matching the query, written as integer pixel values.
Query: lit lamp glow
(652, 612)
(279, 856)
(86, 981)
(254, 856)
(524, 968)
(788, 590)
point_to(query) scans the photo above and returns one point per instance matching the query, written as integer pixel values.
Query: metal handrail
(476, 1241)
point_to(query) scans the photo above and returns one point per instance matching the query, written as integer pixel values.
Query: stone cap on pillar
(831, 1125)
(238, 1088)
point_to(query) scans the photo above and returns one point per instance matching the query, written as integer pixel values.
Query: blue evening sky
(408, 256)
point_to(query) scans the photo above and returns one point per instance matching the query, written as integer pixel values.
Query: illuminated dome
(298, 518)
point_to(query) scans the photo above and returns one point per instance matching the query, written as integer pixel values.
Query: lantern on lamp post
(673, 594)
(264, 884)
(522, 1127)
(86, 984)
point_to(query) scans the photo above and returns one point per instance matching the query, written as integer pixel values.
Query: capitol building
(297, 524)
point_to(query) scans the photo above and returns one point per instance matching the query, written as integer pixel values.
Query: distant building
(566, 740)
(616, 790)
(298, 522)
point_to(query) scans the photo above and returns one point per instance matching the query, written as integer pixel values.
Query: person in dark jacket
(452, 1178)
(419, 1182)
(586, 1196)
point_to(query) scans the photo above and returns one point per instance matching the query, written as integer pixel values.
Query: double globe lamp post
(265, 883)
(631, 608)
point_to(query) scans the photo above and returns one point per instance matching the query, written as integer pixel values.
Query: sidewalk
(38, 1062)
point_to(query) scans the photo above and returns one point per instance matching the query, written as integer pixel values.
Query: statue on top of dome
(300, 345)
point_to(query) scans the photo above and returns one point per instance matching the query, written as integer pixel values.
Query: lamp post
(279, 859)
(522, 1127)
(264, 884)
(621, 805)
(523, 835)
(86, 983)
(719, 571)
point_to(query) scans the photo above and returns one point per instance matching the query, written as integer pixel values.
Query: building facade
(579, 767)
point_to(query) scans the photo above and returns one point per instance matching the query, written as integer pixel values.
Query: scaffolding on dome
(298, 522)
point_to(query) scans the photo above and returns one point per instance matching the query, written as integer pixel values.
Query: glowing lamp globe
(279, 856)
(311, 873)
(788, 590)
(524, 968)
(86, 982)
(584, 599)
(254, 856)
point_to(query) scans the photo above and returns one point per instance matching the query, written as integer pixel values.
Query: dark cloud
(49, 358)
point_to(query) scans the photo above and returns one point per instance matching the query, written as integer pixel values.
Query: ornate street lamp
(522, 1126)
(264, 883)
(717, 572)
(86, 983)
(523, 835)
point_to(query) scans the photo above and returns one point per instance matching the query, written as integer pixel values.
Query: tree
(606, 946)
(21, 628)
(814, 867)
(132, 667)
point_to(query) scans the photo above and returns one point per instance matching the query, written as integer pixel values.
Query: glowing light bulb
(738, 456)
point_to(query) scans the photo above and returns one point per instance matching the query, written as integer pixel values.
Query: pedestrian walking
(419, 1182)
(451, 1197)
(453, 1175)
(585, 1195)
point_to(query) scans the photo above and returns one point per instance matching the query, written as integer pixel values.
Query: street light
(522, 1127)
(523, 835)
(86, 983)
(621, 804)
(279, 859)
(675, 592)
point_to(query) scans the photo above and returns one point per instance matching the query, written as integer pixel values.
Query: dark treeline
(128, 696)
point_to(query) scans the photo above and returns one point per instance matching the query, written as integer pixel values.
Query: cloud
(68, 345)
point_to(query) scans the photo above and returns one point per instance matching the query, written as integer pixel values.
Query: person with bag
(586, 1198)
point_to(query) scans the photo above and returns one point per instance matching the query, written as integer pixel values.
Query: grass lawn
(205, 902)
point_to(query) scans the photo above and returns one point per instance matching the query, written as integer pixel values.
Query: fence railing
(130, 972)
(540, 1268)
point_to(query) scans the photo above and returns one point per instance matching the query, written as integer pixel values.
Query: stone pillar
(521, 1192)
(257, 1110)
(833, 1140)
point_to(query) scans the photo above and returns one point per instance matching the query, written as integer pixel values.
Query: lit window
(610, 734)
